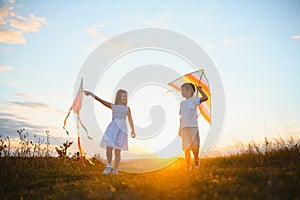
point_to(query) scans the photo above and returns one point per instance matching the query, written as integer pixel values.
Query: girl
(115, 136)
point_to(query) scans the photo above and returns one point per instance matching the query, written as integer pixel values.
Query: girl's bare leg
(117, 158)
(109, 155)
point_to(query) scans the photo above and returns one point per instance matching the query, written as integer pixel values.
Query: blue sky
(255, 46)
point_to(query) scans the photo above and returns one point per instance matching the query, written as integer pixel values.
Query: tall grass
(275, 152)
(22, 174)
(32, 145)
(268, 170)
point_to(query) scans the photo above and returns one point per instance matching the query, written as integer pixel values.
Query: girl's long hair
(119, 95)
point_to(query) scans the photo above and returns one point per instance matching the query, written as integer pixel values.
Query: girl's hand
(133, 134)
(88, 93)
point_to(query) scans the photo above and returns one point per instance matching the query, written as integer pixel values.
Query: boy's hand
(179, 132)
(133, 134)
(199, 88)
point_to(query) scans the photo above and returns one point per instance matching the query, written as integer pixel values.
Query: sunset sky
(254, 45)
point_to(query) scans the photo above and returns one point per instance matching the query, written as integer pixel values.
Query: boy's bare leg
(196, 158)
(187, 157)
(195, 149)
(196, 154)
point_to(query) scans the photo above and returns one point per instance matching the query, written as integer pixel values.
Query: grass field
(272, 174)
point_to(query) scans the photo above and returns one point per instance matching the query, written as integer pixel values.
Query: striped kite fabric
(198, 78)
(76, 106)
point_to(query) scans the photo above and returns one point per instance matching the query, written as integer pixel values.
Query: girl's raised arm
(131, 123)
(107, 104)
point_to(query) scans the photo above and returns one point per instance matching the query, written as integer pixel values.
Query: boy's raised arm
(105, 103)
(204, 96)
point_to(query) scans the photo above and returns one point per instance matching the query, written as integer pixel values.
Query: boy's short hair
(189, 86)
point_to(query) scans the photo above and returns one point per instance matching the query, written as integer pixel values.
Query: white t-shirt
(188, 112)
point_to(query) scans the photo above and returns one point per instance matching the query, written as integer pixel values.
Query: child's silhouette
(115, 136)
(188, 129)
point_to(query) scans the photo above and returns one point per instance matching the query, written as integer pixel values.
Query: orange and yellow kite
(198, 78)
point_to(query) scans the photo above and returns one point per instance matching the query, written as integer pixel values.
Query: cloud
(94, 30)
(2, 22)
(30, 24)
(102, 24)
(5, 10)
(5, 68)
(14, 26)
(10, 123)
(231, 41)
(295, 36)
(12, 36)
(159, 21)
(10, 115)
(9, 126)
(25, 96)
(30, 104)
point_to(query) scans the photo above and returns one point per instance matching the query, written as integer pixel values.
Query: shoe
(106, 170)
(197, 164)
(115, 171)
(189, 168)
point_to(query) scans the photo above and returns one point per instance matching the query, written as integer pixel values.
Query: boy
(188, 129)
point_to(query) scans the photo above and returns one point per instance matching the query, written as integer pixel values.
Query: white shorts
(190, 138)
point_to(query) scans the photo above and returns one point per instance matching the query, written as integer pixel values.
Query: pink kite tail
(65, 121)
(85, 129)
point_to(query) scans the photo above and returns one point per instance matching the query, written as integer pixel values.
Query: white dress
(116, 133)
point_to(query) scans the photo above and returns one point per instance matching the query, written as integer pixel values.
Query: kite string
(197, 94)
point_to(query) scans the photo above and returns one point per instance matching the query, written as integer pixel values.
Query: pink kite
(76, 106)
